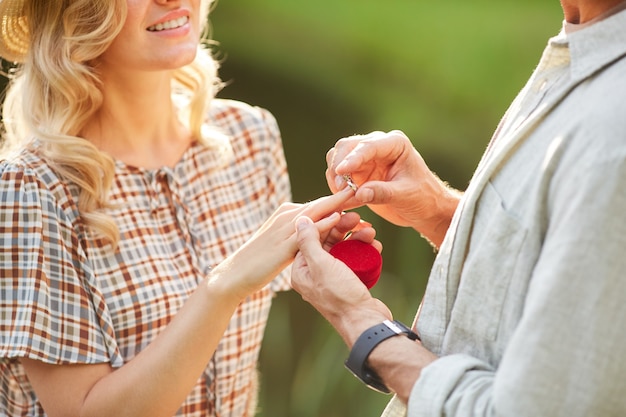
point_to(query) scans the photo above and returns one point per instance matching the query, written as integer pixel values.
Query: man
(525, 309)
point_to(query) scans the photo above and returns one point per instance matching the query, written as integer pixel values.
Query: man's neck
(583, 11)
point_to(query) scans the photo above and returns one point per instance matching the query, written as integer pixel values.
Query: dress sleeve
(48, 310)
(278, 183)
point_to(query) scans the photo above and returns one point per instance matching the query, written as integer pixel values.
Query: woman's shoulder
(26, 173)
(234, 115)
(27, 162)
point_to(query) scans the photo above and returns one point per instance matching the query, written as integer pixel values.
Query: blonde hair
(57, 89)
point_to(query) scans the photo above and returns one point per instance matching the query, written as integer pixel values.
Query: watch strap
(364, 346)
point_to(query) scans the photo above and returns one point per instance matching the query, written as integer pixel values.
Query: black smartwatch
(364, 345)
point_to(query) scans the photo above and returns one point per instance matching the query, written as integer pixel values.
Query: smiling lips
(170, 24)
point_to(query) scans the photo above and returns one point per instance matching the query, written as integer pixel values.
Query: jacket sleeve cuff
(451, 384)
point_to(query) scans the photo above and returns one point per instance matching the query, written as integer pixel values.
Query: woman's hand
(273, 247)
(394, 181)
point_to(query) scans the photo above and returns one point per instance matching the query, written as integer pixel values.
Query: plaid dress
(65, 298)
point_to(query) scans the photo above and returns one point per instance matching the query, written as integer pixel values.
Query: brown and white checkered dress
(66, 299)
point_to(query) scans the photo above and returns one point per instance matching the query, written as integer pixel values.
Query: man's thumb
(308, 237)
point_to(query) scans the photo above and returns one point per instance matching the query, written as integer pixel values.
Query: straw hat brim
(14, 36)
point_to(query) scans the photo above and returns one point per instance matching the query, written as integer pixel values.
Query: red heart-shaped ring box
(362, 258)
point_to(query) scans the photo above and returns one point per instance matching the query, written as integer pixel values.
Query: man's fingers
(375, 192)
(377, 146)
(308, 238)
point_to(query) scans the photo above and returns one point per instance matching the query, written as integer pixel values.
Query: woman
(139, 246)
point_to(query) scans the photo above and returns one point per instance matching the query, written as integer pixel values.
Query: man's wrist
(434, 228)
(364, 346)
(352, 318)
(351, 325)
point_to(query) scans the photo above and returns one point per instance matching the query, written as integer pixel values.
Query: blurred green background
(443, 72)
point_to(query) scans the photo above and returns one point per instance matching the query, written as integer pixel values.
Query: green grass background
(443, 72)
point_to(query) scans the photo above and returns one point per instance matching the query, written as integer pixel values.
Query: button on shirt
(66, 298)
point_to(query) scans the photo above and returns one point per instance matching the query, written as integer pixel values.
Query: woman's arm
(159, 378)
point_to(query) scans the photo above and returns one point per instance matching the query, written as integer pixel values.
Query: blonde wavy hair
(57, 89)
